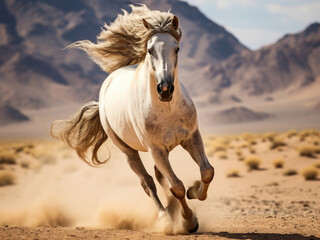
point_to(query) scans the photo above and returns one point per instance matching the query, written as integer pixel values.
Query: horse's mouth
(165, 97)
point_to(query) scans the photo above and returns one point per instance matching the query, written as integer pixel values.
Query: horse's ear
(175, 22)
(146, 24)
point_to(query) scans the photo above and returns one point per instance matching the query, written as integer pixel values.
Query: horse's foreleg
(145, 179)
(194, 146)
(164, 170)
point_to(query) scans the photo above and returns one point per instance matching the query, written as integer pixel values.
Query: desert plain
(265, 187)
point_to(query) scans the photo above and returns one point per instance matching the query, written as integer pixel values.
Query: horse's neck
(149, 84)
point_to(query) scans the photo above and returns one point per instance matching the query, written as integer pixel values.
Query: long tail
(82, 131)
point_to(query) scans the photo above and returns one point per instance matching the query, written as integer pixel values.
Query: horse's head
(163, 56)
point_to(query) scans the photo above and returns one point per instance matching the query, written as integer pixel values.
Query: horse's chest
(169, 130)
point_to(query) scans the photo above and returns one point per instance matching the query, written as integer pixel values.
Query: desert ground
(260, 191)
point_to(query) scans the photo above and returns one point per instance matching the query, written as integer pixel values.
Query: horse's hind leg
(194, 146)
(176, 187)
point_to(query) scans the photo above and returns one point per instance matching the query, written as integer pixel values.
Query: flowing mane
(124, 41)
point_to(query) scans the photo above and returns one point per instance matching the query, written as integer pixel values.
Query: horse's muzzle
(165, 92)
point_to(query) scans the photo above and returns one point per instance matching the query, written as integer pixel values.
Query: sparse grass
(278, 163)
(7, 177)
(308, 150)
(310, 173)
(7, 157)
(252, 162)
(290, 172)
(233, 173)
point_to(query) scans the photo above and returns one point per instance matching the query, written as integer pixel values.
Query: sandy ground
(59, 197)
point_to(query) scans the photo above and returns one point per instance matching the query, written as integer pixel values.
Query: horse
(142, 106)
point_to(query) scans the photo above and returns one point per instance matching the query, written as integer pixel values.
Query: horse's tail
(82, 131)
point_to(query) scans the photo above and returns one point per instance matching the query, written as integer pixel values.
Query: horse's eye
(177, 50)
(149, 51)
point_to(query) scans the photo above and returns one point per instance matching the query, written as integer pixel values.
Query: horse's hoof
(192, 191)
(193, 230)
(191, 225)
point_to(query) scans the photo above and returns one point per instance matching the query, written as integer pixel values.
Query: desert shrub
(238, 153)
(290, 172)
(270, 136)
(308, 150)
(252, 150)
(219, 144)
(25, 164)
(221, 155)
(278, 163)
(240, 158)
(252, 162)
(7, 157)
(317, 165)
(233, 173)
(303, 135)
(7, 177)
(310, 173)
(276, 143)
(291, 133)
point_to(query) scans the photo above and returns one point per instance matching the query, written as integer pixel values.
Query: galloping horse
(142, 105)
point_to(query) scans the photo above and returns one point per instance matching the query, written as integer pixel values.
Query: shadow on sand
(263, 236)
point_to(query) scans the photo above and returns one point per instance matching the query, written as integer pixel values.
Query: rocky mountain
(11, 115)
(237, 115)
(290, 64)
(35, 72)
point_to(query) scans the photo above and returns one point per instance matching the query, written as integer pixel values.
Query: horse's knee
(148, 184)
(207, 174)
(178, 190)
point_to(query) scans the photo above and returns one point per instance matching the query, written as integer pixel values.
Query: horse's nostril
(159, 90)
(171, 89)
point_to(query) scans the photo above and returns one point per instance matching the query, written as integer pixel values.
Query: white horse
(143, 107)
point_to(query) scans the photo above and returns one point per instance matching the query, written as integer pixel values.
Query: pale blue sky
(260, 22)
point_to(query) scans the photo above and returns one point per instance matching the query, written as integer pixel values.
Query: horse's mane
(124, 41)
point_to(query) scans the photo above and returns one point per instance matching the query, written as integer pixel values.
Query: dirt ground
(56, 196)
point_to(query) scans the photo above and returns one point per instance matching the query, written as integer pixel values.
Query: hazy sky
(260, 22)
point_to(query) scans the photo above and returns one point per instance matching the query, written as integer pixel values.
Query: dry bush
(308, 150)
(7, 177)
(290, 172)
(277, 142)
(310, 173)
(25, 164)
(240, 158)
(269, 136)
(252, 162)
(251, 150)
(238, 152)
(221, 155)
(317, 165)
(291, 133)
(278, 163)
(233, 173)
(7, 157)
(303, 135)
(218, 144)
